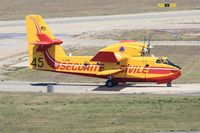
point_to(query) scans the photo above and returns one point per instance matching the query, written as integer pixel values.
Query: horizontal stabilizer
(45, 40)
(109, 72)
(104, 56)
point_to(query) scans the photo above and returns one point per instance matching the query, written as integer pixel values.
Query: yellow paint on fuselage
(135, 65)
(132, 49)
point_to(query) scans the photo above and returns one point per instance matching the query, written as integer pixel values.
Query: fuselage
(135, 69)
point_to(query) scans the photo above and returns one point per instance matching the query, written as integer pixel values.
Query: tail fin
(35, 25)
(41, 41)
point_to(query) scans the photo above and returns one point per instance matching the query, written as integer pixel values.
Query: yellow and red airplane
(119, 63)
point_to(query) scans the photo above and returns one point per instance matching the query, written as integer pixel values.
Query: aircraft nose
(176, 73)
(178, 67)
(179, 72)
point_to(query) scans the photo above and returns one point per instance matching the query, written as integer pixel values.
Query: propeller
(149, 46)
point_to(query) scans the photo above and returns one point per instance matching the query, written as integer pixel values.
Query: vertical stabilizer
(42, 44)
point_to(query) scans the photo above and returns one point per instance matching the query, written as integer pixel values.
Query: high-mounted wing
(129, 48)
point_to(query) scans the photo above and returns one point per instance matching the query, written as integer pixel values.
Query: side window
(158, 61)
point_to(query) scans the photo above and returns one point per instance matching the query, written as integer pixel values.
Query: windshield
(166, 61)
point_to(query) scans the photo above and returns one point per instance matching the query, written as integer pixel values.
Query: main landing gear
(111, 83)
(169, 84)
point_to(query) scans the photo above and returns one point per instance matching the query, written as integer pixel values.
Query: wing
(129, 48)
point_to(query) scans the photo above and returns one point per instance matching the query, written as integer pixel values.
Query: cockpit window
(166, 61)
(170, 63)
(158, 61)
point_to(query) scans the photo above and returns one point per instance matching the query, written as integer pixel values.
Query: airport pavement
(176, 89)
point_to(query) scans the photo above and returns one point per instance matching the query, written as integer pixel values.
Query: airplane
(126, 61)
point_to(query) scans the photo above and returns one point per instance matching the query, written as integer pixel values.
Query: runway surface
(176, 89)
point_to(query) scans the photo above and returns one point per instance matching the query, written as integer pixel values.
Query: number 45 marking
(37, 62)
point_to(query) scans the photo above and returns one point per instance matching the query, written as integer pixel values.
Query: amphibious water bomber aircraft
(126, 61)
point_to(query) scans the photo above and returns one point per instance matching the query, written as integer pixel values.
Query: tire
(109, 83)
(169, 84)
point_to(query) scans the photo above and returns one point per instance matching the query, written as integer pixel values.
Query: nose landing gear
(169, 84)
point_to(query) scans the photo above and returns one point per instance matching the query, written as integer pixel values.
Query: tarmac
(88, 88)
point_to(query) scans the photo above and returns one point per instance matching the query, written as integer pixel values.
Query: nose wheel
(111, 83)
(169, 84)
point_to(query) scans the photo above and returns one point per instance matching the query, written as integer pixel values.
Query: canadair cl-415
(126, 61)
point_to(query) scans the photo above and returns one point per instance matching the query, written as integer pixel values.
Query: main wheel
(169, 84)
(110, 83)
